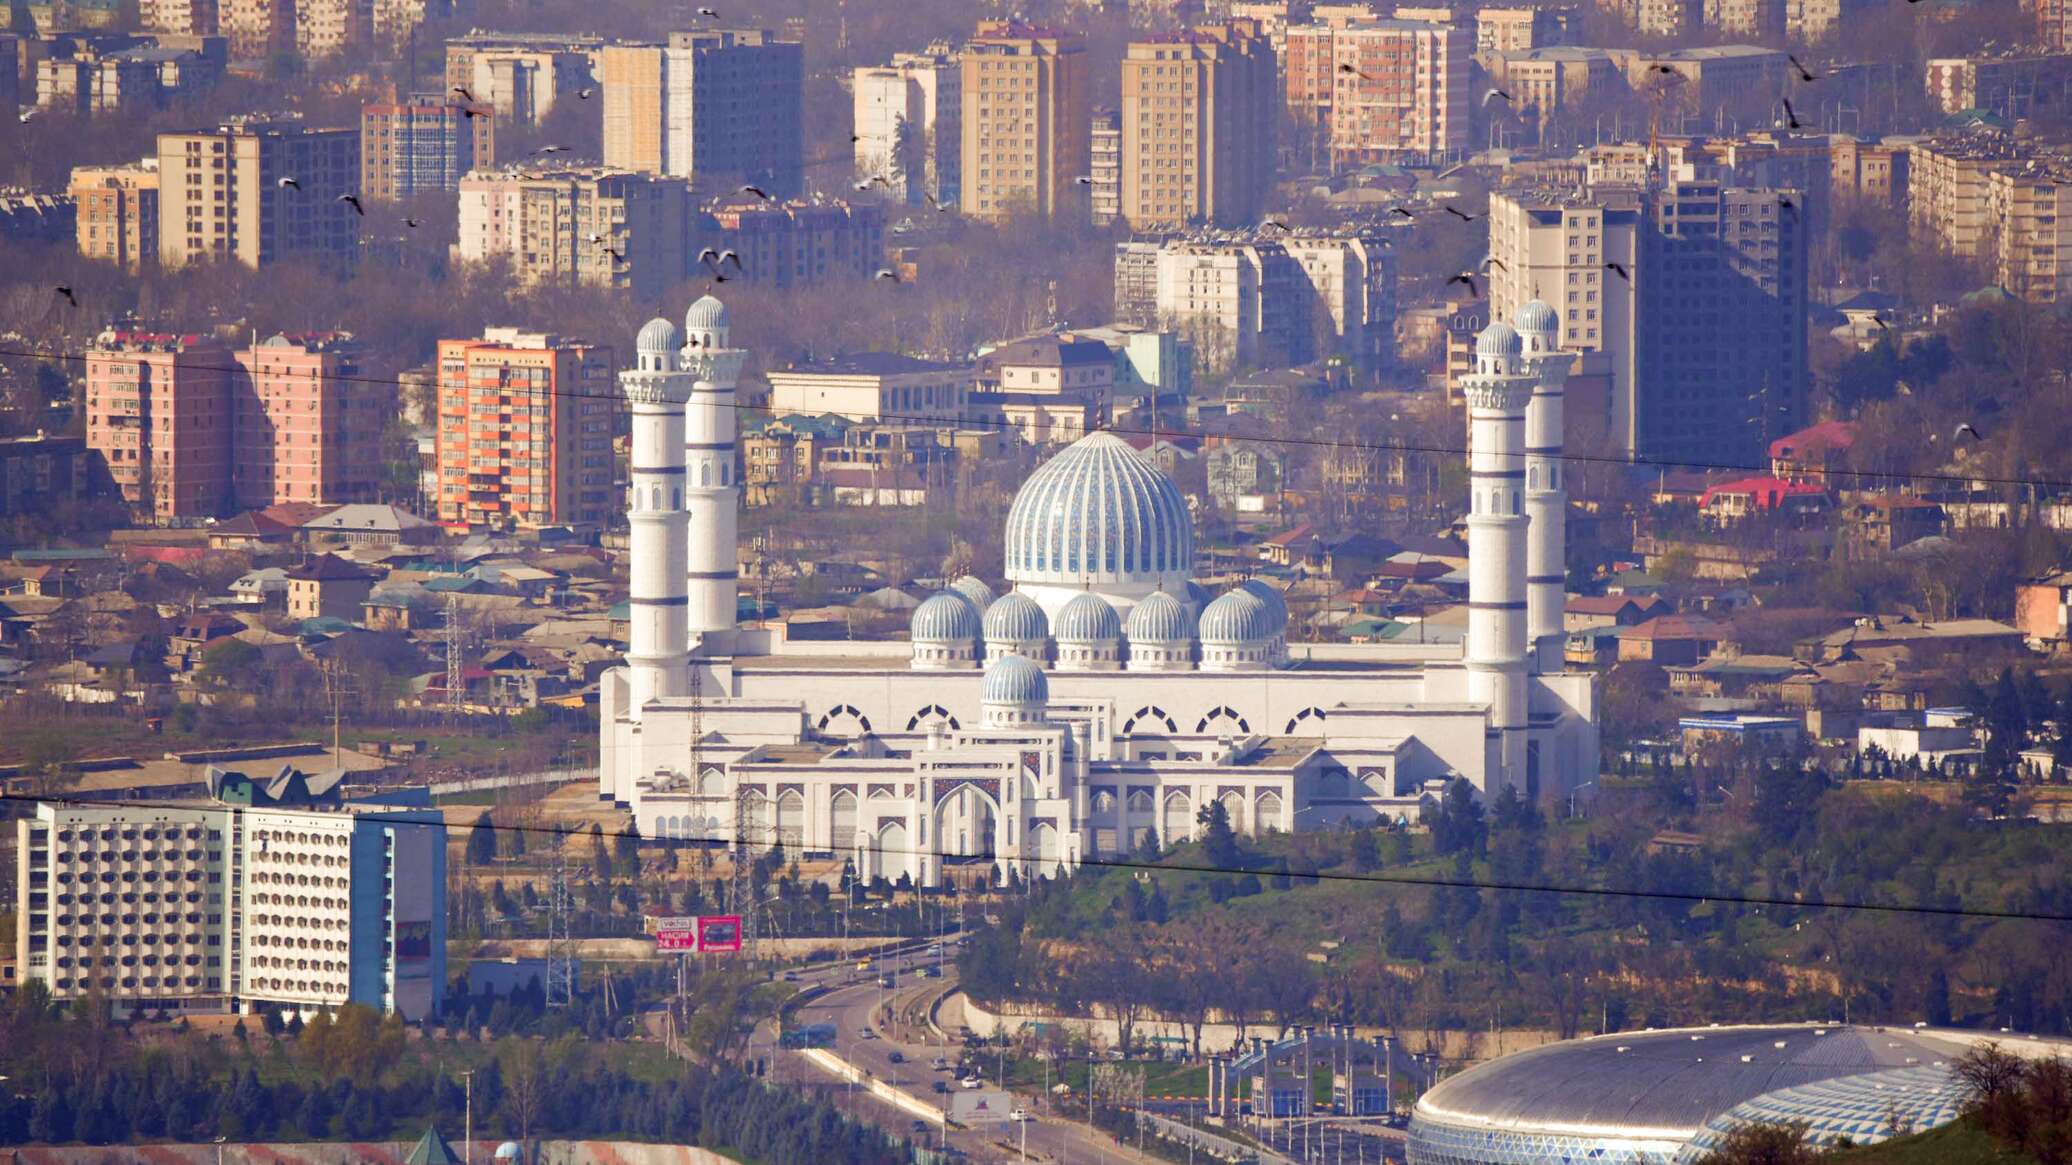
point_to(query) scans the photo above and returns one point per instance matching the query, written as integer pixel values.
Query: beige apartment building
(1713, 75)
(1515, 30)
(875, 387)
(909, 124)
(1025, 121)
(332, 28)
(525, 431)
(1283, 300)
(1380, 91)
(1872, 171)
(221, 197)
(117, 213)
(722, 107)
(585, 226)
(521, 75)
(1545, 79)
(2000, 202)
(257, 29)
(423, 144)
(1197, 127)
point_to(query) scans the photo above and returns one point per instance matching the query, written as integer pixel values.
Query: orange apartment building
(525, 431)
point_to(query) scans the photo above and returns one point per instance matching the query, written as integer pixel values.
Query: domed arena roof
(1088, 619)
(945, 618)
(1499, 339)
(1536, 316)
(1098, 513)
(1015, 617)
(1862, 1109)
(1161, 618)
(1013, 679)
(706, 315)
(658, 337)
(1237, 616)
(974, 588)
(1641, 1096)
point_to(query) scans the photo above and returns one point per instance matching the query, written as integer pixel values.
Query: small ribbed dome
(1499, 339)
(1237, 617)
(706, 315)
(945, 618)
(1088, 619)
(1161, 618)
(658, 337)
(974, 588)
(1013, 679)
(1016, 618)
(1537, 316)
(1276, 603)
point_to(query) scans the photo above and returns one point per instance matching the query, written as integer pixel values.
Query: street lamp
(467, 1136)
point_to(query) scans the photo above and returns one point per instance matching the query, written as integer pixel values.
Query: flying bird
(730, 256)
(616, 256)
(1805, 74)
(353, 201)
(708, 12)
(411, 223)
(551, 150)
(1404, 211)
(1345, 68)
(1495, 93)
(1084, 180)
(887, 273)
(66, 292)
(1493, 261)
(758, 191)
(932, 202)
(463, 91)
(1272, 222)
(1467, 281)
(1791, 115)
(586, 93)
(1619, 271)
(25, 115)
(1967, 427)
(1786, 203)
(286, 183)
(1462, 215)
(1880, 321)
(471, 113)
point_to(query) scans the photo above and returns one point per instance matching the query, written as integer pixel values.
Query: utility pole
(467, 1136)
(453, 668)
(336, 686)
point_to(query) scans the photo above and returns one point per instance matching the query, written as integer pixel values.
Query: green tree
(482, 841)
(1218, 841)
(1759, 1144)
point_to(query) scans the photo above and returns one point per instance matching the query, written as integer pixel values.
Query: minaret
(708, 449)
(1497, 393)
(1546, 499)
(657, 388)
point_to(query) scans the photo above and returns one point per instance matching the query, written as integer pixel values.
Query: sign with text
(705, 933)
(719, 932)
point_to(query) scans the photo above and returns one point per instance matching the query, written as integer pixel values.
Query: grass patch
(1952, 1144)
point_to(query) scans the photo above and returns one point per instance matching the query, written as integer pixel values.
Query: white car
(1020, 1114)
(971, 1082)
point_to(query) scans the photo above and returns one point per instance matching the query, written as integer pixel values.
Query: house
(44, 582)
(1299, 546)
(2043, 610)
(367, 524)
(1935, 736)
(194, 635)
(1592, 647)
(1749, 730)
(265, 587)
(1886, 522)
(1586, 611)
(1355, 556)
(251, 530)
(329, 587)
(1670, 640)
(398, 609)
(1733, 677)
(1903, 639)
(1811, 453)
(1731, 501)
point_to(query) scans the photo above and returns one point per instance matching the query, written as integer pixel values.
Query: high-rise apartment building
(332, 28)
(1810, 21)
(159, 413)
(525, 431)
(1198, 115)
(1286, 300)
(307, 427)
(214, 907)
(1514, 30)
(2053, 24)
(577, 227)
(793, 244)
(1541, 81)
(1872, 171)
(182, 17)
(1690, 294)
(396, 20)
(1104, 151)
(1025, 121)
(1380, 91)
(521, 75)
(116, 208)
(191, 429)
(258, 30)
(131, 79)
(721, 107)
(426, 143)
(909, 121)
(2002, 202)
(223, 194)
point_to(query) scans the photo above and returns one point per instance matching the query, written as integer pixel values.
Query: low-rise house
(2043, 611)
(1753, 678)
(264, 587)
(369, 524)
(329, 587)
(1887, 522)
(1936, 736)
(1748, 730)
(1732, 501)
(1670, 640)
(1811, 453)
(1583, 612)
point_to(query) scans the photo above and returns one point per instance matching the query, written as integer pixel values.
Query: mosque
(1105, 694)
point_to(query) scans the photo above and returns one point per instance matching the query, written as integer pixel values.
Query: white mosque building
(1105, 694)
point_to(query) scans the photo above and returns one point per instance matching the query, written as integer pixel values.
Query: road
(855, 1001)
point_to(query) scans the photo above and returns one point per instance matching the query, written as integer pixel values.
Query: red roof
(1766, 491)
(1674, 627)
(1825, 437)
(1293, 535)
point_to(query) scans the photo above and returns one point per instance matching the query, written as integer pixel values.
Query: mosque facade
(1101, 694)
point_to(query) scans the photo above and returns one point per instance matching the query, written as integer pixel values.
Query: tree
(1218, 841)
(482, 841)
(1760, 1144)
(525, 1085)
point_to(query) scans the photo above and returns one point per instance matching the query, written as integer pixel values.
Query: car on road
(791, 976)
(940, 1065)
(918, 1128)
(867, 1034)
(896, 1056)
(886, 980)
(972, 1082)
(935, 948)
(931, 971)
(1019, 1114)
(941, 1087)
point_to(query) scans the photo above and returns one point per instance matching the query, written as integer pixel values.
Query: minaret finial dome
(1499, 340)
(1537, 316)
(658, 337)
(706, 315)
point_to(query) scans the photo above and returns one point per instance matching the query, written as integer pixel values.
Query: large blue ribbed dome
(945, 618)
(1013, 679)
(1016, 618)
(1088, 619)
(1161, 618)
(1097, 514)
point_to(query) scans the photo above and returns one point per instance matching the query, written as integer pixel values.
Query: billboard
(983, 1106)
(719, 932)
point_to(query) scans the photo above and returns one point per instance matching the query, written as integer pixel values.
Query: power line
(1858, 477)
(1123, 863)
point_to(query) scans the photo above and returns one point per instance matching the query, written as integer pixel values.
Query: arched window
(1222, 718)
(842, 813)
(844, 720)
(656, 496)
(1313, 717)
(1152, 717)
(676, 498)
(705, 475)
(1179, 818)
(932, 712)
